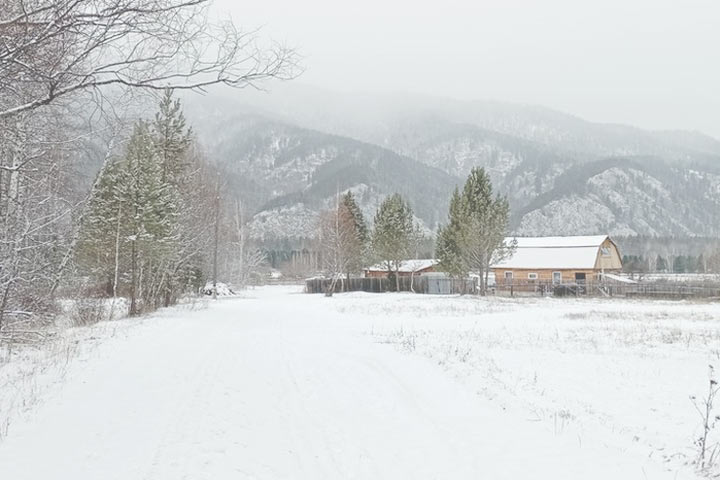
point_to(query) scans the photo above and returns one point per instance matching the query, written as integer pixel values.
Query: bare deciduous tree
(61, 47)
(338, 242)
(59, 58)
(248, 260)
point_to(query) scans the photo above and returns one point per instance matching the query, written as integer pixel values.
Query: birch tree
(38, 197)
(60, 48)
(248, 259)
(339, 242)
(59, 60)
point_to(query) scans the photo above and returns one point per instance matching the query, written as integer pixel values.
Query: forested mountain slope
(288, 153)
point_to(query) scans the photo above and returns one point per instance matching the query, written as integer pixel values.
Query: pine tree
(357, 250)
(171, 138)
(447, 248)
(679, 264)
(477, 225)
(131, 230)
(172, 141)
(152, 217)
(394, 235)
(103, 229)
(348, 200)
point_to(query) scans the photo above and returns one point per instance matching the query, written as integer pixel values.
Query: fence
(449, 286)
(611, 289)
(419, 284)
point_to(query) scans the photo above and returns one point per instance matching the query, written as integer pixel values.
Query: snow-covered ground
(690, 278)
(278, 384)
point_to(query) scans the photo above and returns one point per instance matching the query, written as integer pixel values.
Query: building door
(579, 277)
(557, 277)
(508, 278)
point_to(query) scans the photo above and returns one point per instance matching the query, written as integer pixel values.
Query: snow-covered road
(276, 386)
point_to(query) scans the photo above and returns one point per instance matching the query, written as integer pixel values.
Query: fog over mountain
(288, 152)
(649, 63)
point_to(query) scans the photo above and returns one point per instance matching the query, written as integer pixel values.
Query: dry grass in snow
(614, 373)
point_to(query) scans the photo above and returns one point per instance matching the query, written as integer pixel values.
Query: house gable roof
(406, 266)
(559, 253)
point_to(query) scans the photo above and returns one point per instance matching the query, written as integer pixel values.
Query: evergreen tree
(661, 264)
(447, 248)
(171, 138)
(483, 235)
(132, 227)
(679, 264)
(348, 200)
(395, 234)
(153, 212)
(477, 224)
(103, 230)
(357, 250)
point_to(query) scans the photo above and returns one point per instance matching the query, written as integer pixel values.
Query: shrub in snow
(88, 311)
(222, 289)
(708, 451)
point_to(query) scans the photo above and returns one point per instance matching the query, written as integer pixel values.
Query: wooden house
(558, 260)
(407, 268)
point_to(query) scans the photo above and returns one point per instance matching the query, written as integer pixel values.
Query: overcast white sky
(651, 63)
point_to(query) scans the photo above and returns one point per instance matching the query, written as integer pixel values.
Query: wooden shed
(407, 268)
(579, 259)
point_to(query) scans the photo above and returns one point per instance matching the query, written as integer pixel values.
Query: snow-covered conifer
(395, 234)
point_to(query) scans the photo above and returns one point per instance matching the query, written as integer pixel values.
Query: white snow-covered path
(275, 387)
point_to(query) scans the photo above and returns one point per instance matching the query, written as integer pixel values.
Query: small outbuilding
(407, 268)
(557, 260)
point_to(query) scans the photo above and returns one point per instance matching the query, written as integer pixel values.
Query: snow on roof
(556, 242)
(618, 278)
(553, 252)
(406, 266)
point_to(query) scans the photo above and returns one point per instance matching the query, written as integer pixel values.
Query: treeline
(73, 76)
(667, 247)
(149, 223)
(472, 238)
(672, 264)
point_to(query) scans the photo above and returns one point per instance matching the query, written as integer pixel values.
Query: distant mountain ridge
(289, 155)
(288, 174)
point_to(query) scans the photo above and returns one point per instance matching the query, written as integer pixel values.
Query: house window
(557, 277)
(508, 277)
(532, 277)
(605, 251)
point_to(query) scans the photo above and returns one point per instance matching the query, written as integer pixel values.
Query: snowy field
(277, 384)
(690, 278)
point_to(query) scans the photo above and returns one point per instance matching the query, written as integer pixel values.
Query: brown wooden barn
(556, 260)
(407, 268)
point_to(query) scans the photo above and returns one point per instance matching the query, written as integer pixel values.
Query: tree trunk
(3, 303)
(133, 280)
(483, 287)
(215, 246)
(117, 265)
